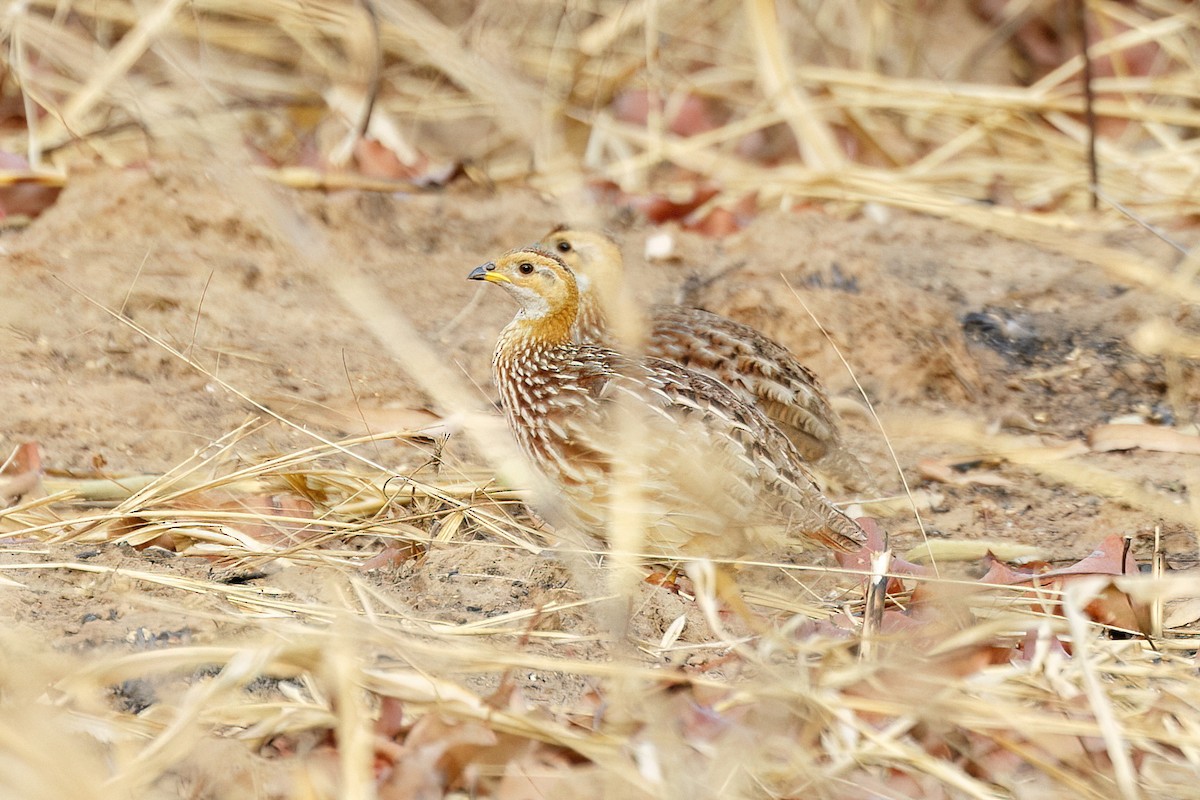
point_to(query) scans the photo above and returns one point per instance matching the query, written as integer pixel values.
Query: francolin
(758, 369)
(715, 478)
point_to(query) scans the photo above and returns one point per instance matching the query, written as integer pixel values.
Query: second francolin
(757, 368)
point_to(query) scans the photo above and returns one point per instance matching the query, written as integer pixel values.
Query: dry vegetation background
(261, 530)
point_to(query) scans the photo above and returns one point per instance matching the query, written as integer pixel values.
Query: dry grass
(928, 711)
(525, 94)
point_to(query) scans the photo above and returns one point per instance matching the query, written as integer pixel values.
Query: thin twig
(1089, 109)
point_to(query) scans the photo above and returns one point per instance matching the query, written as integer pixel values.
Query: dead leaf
(1122, 436)
(23, 476)
(659, 209)
(716, 223)
(23, 190)
(860, 561)
(1001, 574)
(1181, 612)
(279, 514)
(1034, 642)
(352, 417)
(948, 472)
(541, 773)
(1115, 608)
(1104, 560)
(272, 521)
(376, 160)
(723, 220)
(432, 757)
(393, 555)
(688, 116)
(391, 721)
(1110, 606)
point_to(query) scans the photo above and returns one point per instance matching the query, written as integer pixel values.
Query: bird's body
(712, 477)
(757, 368)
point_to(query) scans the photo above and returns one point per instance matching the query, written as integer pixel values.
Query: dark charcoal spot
(238, 578)
(206, 671)
(145, 639)
(837, 280)
(133, 696)
(1163, 414)
(267, 685)
(1014, 336)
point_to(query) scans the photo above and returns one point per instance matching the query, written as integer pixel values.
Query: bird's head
(541, 284)
(594, 257)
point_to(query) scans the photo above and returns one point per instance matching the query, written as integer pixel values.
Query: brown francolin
(759, 370)
(715, 478)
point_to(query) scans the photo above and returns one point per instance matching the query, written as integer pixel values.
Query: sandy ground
(934, 319)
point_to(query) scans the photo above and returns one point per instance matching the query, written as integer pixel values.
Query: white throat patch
(533, 305)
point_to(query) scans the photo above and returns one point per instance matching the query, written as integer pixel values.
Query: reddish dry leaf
(1115, 608)
(716, 223)
(722, 221)
(391, 721)
(376, 160)
(897, 623)
(665, 580)
(286, 507)
(463, 751)
(606, 193)
(893, 783)
(699, 723)
(991, 762)
(411, 776)
(431, 758)
(1001, 574)
(271, 522)
(539, 774)
(1104, 560)
(860, 561)
(1110, 606)
(163, 541)
(659, 209)
(1048, 38)
(1033, 643)
(24, 192)
(690, 116)
(393, 556)
(23, 475)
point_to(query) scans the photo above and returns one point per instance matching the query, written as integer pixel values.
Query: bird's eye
(526, 268)
(564, 247)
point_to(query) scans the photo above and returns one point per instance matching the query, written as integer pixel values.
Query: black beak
(480, 272)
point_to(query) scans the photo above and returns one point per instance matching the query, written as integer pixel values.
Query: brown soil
(933, 318)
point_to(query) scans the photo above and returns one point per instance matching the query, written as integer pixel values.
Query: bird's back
(708, 470)
(762, 372)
